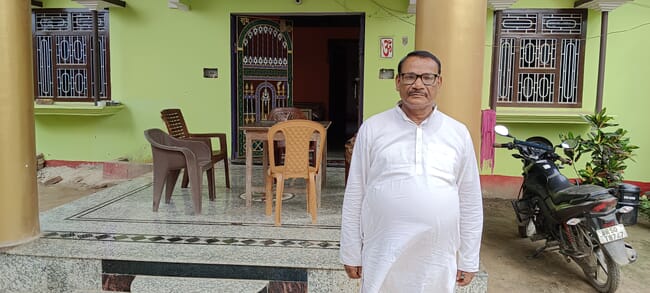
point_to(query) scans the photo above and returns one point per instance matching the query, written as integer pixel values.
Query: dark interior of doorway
(341, 37)
(344, 95)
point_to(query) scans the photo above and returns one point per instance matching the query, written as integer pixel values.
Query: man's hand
(463, 278)
(353, 272)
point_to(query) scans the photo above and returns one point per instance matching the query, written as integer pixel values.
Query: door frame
(233, 63)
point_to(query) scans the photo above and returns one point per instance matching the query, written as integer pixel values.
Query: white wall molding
(500, 4)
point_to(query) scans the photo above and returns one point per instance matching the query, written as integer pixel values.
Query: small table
(258, 130)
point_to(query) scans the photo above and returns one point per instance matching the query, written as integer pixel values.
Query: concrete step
(157, 284)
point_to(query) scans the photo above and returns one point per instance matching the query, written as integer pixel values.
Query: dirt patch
(59, 185)
(508, 262)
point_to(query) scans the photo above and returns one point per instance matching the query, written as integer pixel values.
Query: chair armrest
(220, 136)
(205, 140)
(199, 148)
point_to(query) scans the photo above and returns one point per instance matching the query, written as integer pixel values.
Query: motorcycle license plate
(612, 233)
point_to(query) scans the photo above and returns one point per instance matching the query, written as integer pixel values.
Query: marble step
(156, 284)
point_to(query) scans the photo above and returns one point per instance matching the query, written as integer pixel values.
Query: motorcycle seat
(578, 193)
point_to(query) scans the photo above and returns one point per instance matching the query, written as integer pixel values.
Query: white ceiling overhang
(101, 4)
(411, 8)
(602, 5)
(178, 4)
(500, 4)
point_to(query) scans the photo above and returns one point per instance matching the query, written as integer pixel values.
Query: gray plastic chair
(170, 156)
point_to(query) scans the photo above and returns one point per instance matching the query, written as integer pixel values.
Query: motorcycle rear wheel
(600, 270)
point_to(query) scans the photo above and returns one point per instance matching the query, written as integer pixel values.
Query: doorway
(324, 77)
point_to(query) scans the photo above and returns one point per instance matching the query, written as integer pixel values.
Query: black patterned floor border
(195, 240)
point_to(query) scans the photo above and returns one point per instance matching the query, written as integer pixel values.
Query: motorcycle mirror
(501, 130)
(567, 147)
(569, 144)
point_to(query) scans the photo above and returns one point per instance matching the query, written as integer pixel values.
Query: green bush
(608, 150)
(644, 206)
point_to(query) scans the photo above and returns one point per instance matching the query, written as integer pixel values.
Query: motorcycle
(581, 222)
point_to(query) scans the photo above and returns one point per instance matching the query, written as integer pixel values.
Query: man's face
(417, 95)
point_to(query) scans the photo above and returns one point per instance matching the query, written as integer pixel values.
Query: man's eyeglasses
(427, 78)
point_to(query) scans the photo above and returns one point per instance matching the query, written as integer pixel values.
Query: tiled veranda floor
(107, 239)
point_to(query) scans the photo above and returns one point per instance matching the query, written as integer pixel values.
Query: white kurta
(412, 213)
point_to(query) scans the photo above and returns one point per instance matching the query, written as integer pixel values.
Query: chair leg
(159, 176)
(186, 179)
(268, 195)
(225, 167)
(279, 190)
(195, 185)
(211, 193)
(170, 182)
(311, 198)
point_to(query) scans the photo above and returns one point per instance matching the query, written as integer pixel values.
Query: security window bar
(63, 54)
(539, 58)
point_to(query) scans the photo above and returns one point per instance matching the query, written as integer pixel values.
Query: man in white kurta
(412, 214)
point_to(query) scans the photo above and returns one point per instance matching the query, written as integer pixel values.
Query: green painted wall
(157, 57)
(625, 88)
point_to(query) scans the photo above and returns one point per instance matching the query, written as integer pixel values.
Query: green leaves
(608, 150)
(644, 206)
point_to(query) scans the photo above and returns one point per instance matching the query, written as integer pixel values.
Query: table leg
(322, 175)
(324, 161)
(249, 171)
(265, 156)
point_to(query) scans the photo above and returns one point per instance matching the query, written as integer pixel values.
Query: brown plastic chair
(170, 156)
(285, 113)
(297, 136)
(177, 128)
(349, 146)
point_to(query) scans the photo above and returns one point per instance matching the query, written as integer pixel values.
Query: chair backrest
(175, 123)
(167, 147)
(285, 113)
(156, 137)
(297, 137)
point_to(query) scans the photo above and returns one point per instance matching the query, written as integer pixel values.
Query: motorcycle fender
(621, 252)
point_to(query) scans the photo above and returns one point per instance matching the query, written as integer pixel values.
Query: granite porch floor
(108, 239)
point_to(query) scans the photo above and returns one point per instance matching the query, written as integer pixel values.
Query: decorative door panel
(264, 72)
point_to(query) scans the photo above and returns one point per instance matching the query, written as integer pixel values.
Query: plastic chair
(349, 147)
(177, 128)
(297, 136)
(284, 114)
(170, 156)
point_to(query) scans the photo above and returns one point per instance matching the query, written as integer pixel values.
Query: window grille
(539, 58)
(63, 54)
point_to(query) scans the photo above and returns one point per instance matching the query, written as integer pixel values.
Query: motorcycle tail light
(605, 205)
(606, 224)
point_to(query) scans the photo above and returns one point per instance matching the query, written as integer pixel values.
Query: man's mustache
(417, 92)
